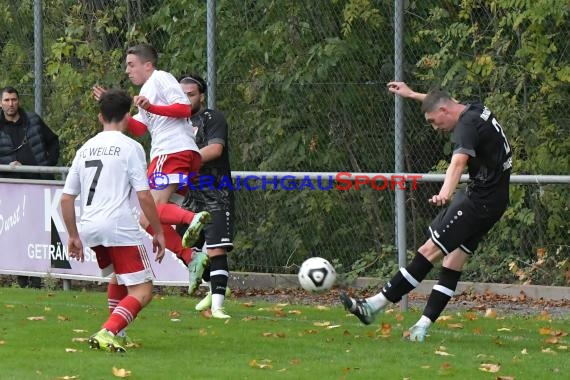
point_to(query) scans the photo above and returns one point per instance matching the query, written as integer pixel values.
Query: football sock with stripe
(407, 279)
(125, 312)
(219, 275)
(441, 293)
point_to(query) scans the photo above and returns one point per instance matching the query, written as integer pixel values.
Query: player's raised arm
(402, 89)
(177, 110)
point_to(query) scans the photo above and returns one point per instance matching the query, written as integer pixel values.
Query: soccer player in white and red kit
(104, 172)
(164, 110)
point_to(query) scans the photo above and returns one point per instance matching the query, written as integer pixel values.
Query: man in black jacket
(25, 140)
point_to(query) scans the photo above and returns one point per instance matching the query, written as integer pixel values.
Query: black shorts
(219, 232)
(464, 223)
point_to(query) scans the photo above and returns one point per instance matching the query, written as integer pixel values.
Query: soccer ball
(316, 274)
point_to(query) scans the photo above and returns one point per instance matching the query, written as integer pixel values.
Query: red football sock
(125, 312)
(174, 243)
(170, 213)
(115, 293)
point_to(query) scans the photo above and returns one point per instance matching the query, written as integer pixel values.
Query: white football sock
(377, 302)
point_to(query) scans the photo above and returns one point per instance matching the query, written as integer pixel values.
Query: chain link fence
(303, 85)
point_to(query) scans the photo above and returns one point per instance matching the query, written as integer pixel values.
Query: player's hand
(75, 248)
(141, 101)
(98, 91)
(438, 200)
(158, 244)
(400, 88)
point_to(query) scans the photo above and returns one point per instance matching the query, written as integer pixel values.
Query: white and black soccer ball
(316, 274)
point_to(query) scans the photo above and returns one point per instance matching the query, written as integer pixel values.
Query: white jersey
(169, 134)
(104, 171)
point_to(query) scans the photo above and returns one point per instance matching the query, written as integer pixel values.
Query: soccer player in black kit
(481, 146)
(215, 195)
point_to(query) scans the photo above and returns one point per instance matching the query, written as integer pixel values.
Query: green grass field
(270, 341)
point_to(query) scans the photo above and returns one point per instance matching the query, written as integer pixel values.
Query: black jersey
(211, 128)
(479, 135)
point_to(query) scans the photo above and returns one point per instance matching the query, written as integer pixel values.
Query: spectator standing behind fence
(104, 172)
(211, 131)
(481, 146)
(25, 140)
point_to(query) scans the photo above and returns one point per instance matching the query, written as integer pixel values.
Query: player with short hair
(480, 145)
(164, 111)
(211, 130)
(104, 172)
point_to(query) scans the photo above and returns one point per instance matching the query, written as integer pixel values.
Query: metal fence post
(399, 139)
(38, 57)
(211, 52)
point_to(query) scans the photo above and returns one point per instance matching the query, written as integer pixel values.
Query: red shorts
(130, 263)
(175, 168)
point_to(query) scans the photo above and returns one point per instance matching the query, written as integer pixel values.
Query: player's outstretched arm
(149, 210)
(177, 110)
(74, 245)
(402, 89)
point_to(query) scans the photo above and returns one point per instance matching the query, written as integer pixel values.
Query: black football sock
(441, 293)
(407, 279)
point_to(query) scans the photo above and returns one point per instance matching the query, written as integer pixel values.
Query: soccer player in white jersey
(164, 110)
(104, 172)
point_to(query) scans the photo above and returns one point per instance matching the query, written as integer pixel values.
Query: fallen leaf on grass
(264, 363)
(174, 314)
(62, 318)
(504, 329)
(321, 307)
(493, 368)
(295, 361)
(385, 329)
(47, 308)
(445, 365)
(79, 331)
(9, 306)
(282, 304)
(548, 351)
(202, 332)
(248, 304)
(490, 313)
(311, 331)
(333, 326)
(444, 318)
(524, 351)
(551, 340)
(455, 325)
(322, 324)
(471, 316)
(40, 318)
(504, 378)
(70, 350)
(296, 312)
(562, 347)
(206, 313)
(443, 353)
(544, 316)
(249, 318)
(477, 331)
(174, 320)
(67, 377)
(121, 372)
(2, 342)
